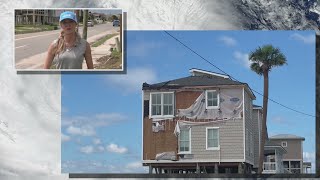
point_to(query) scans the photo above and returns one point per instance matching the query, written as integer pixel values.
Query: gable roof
(198, 78)
(287, 136)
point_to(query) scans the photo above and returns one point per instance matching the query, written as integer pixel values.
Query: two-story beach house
(200, 123)
(206, 123)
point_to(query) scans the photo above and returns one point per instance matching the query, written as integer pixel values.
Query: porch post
(216, 170)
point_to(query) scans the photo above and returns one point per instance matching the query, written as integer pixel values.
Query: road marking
(21, 46)
(35, 36)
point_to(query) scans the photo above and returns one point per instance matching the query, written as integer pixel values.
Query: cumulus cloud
(86, 149)
(86, 125)
(132, 81)
(242, 58)
(307, 39)
(228, 41)
(114, 148)
(65, 138)
(82, 131)
(96, 141)
(102, 166)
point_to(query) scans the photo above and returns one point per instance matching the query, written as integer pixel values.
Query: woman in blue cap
(69, 50)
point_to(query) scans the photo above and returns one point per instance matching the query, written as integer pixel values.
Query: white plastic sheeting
(166, 156)
(231, 103)
(187, 124)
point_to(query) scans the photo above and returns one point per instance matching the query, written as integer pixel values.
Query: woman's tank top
(71, 58)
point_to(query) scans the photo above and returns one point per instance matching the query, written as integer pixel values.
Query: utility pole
(85, 24)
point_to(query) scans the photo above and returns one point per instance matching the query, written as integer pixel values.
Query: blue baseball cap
(68, 15)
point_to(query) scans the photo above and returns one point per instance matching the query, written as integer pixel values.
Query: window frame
(184, 152)
(218, 100)
(162, 105)
(212, 148)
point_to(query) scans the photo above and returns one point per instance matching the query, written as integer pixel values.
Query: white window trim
(212, 148)
(284, 142)
(218, 99)
(185, 152)
(161, 116)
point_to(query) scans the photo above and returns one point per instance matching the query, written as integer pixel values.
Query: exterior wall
(294, 148)
(230, 133)
(230, 140)
(158, 142)
(249, 129)
(257, 117)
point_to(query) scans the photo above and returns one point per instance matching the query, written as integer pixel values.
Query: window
(212, 137)
(184, 141)
(161, 104)
(284, 143)
(212, 99)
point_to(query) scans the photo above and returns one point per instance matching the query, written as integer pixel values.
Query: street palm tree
(263, 60)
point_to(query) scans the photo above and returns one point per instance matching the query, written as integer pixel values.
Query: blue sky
(101, 114)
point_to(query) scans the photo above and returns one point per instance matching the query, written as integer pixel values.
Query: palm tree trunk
(264, 118)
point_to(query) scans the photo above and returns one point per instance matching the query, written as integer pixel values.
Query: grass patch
(112, 61)
(103, 39)
(22, 29)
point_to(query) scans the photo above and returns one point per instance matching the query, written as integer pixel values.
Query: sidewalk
(102, 50)
(37, 61)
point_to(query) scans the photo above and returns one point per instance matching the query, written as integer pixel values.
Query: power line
(186, 46)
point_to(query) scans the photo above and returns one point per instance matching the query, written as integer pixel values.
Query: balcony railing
(269, 167)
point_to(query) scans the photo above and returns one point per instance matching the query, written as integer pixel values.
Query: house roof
(271, 145)
(195, 81)
(286, 136)
(198, 78)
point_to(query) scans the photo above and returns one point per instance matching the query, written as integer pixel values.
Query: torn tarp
(230, 106)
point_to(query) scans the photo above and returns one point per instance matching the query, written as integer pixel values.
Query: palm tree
(263, 60)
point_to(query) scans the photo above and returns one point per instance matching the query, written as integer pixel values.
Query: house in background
(293, 159)
(205, 123)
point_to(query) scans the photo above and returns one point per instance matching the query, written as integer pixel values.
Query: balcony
(269, 168)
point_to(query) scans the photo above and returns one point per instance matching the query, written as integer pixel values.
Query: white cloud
(228, 41)
(243, 58)
(86, 149)
(116, 149)
(133, 80)
(65, 138)
(82, 131)
(307, 39)
(89, 166)
(310, 157)
(96, 120)
(96, 141)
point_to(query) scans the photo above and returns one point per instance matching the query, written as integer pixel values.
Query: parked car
(116, 23)
(90, 23)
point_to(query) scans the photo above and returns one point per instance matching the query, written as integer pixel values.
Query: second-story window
(212, 99)
(162, 104)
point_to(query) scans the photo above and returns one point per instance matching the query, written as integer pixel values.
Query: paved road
(31, 44)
